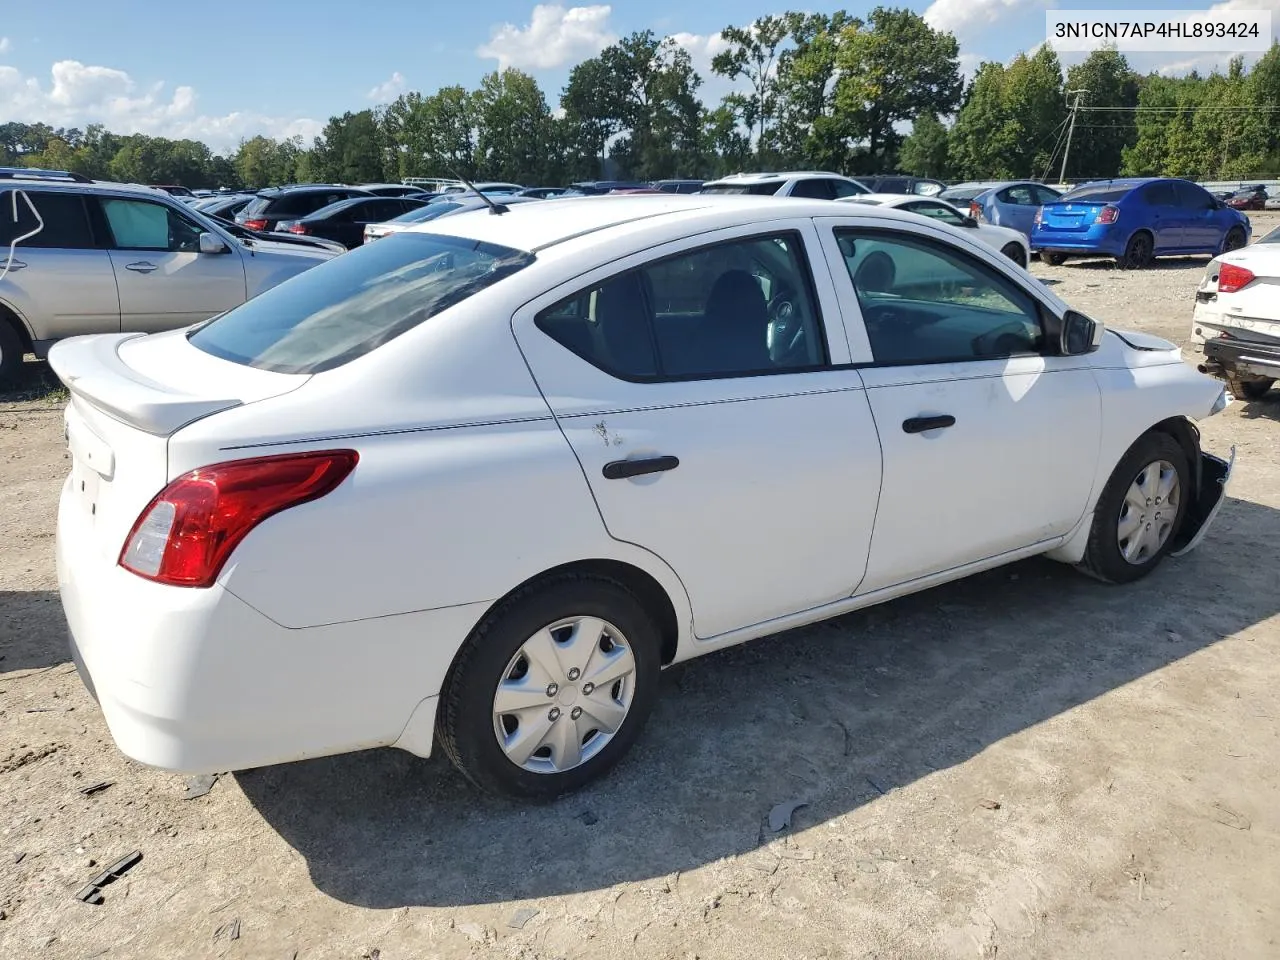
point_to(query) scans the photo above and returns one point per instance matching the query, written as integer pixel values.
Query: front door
(163, 279)
(697, 385)
(1166, 217)
(989, 444)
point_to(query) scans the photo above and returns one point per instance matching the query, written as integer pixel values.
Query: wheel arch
(14, 319)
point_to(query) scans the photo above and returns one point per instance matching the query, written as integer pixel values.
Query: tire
(468, 721)
(11, 351)
(1234, 240)
(1138, 252)
(1053, 259)
(1249, 389)
(1104, 556)
(1015, 253)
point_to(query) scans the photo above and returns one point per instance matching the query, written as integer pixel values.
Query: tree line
(825, 91)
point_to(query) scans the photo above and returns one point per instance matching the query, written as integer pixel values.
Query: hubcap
(1149, 511)
(564, 695)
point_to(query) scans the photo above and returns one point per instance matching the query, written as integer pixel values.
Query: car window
(1194, 197)
(736, 308)
(143, 225)
(351, 305)
(1044, 195)
(935, 211)
(1019, 195)
(845, 188)
(1097, 193)
(926, 302)
(814, 189)
(66, 223)
(1160, 194)
(893, 185)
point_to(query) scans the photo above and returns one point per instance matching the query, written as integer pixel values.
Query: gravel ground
(1023, 764)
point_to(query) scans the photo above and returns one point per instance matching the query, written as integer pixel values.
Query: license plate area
(92, 464)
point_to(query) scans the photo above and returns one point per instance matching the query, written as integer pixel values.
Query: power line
(1199, 106)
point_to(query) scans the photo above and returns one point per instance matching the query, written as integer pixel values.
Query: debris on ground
(989, 804)
(91, 892)
(98, 787)
(521, 917)
(199, 786)
(587, 818)
(780, 816)
(229, 930)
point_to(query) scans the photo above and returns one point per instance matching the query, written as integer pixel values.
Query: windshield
(766, 189)
(1098, 193)
(1272, 237)
(351, 305)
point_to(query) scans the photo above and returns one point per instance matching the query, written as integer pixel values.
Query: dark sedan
(345, 220)
(1250, 198)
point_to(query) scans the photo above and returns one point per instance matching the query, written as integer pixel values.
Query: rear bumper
(198, 681)
(1243, 356)
(1081, 245)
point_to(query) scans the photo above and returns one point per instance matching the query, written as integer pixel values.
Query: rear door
(1016, 208)
(704, 388)
(163, 279)
(60, 279)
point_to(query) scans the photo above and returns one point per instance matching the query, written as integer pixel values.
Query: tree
(808, 130)
(513, 128)
(1035, 110)
(924, 153)
(887, 74)
(752, 55)
(349, 149)
(981, 143)
(1102, 135)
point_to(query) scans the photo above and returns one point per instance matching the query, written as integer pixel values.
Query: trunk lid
(129, 394)
(1074, 217)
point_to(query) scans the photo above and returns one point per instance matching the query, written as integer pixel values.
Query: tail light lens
(1107, 215)
(255, 224)
(1232, 278)
(185, 535)
(299, 228)
(975, 211)
(1039, 216)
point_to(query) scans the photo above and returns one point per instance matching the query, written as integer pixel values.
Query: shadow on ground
(35, 381)
(32, 630)
(833, 714)
(1100, 262)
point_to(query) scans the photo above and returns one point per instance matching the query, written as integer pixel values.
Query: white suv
(84, 256)
(809, 184)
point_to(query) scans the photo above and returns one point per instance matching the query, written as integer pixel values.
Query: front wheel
(1140, 510)
(1015, 253)
(552, 688)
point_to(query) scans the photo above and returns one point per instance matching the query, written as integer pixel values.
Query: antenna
(494, 208)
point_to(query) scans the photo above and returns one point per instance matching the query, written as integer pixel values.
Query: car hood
(1130, 348)
(297, 251)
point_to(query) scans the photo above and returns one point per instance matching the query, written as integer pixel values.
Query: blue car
(1006, 203)
(1136, 220)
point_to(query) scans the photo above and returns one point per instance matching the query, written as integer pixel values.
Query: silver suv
(83, 256)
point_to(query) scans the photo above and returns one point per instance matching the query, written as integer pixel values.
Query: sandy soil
(1025, 764)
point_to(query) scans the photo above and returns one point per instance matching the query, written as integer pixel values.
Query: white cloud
(389, 89)
(79, 94)
(964, 17)
(5, 45)
(554, 37)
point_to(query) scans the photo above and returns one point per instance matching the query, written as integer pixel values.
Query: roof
(105, 186)
(765, 177)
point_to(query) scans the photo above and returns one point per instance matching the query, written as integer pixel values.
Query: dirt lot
(1025, 764)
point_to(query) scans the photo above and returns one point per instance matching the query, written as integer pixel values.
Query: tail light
(185, 535)
(255, 224)
(1039, 216)
(1232, 278)
(298, 228)
(1107, 214)
(975, 211)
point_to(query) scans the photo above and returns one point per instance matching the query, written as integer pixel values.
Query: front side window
(66, 224)
(1020, 195)
(351, 305)
(936, 211)
(1160, 194)
(143, 225)
(1194, 196)
(926, 302)
(743, 307)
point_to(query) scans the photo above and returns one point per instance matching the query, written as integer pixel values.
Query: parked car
(1249, 198)
(962, 193)
(345, 220)
(1273, 203)
(678, 186)
(291, 203)
(1012, 204)
(813, 185)
(1009, 242)
(1135, 220)
(487, 186)
(118, 257)
(1236, 324)
(541, 193)
(392, 189)
(447, 493)
(459, 203)
(899, 183)
(594, 188)
(173, 189)
(254, 237)
(225, 207)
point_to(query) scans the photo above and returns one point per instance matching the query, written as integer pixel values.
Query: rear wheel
(1234, 240)
(1015, 253)
(1054, 259)
(552, 688)
(1243, 389)
(1140, 510)
(1137, 253)
(11, 352)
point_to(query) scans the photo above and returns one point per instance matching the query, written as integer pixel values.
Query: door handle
(921, 424)
(624, 469)
(17, 265)
(142, 266)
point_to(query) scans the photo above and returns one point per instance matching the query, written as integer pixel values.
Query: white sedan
(1012, 243)
(472, 486)
(1237, 318)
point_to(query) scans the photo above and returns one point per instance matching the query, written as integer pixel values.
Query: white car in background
(1012, 243)
(1236, 323)
(472, 486)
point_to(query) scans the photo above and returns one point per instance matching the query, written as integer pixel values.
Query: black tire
(1103, 558)
(1015, 253)
(465, 719)
(1053, 259)
(1138, 252)
(1234, 240)
(1249, 389)
(11, 351)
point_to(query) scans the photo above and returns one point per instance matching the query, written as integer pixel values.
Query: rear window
(754, 189)
(353, 304)
(1098, 193)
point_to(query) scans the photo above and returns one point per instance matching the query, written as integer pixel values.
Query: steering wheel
(786, 329)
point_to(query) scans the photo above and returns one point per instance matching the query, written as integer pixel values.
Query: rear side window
(813, 189)
(1097, 193)
(66, 224)
(767, 189)
(351, 305)
(1020, 195)
(1044, 195)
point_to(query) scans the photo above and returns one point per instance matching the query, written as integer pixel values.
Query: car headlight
(1223, 401)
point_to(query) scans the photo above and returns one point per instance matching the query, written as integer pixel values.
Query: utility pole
(1075, 108)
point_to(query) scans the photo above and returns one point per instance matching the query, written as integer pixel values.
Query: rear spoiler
(92, 370)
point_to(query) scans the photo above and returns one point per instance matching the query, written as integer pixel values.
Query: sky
(222, 72)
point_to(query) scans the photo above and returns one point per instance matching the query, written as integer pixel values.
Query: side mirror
(970, 222)
(209, 243)
(1074, 334)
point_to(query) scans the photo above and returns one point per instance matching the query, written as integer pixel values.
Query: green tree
(982, 142)
(924, 153)
(1035, 110)
(1097, 150)
(349, 149)
(752, 56)
(512, 142)
(808, 131)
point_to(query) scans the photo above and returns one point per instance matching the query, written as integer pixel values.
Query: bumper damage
(1211, 492)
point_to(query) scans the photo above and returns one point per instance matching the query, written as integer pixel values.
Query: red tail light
(1232, 278)
(185, 535)
(975, 211)
(255, 224)
(297, 228)
(1107, 215)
